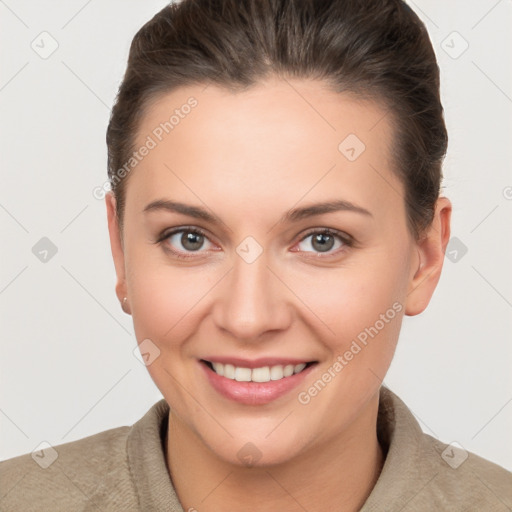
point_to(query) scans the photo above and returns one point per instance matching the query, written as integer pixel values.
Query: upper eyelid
(172, 231)
(331, 231)
(191, 229)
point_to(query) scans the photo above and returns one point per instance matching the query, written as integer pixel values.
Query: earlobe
(430, 250)
(117, 249)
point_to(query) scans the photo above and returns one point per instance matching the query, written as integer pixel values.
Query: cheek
(165, 301)
(362, 302)
(167, 306)
(163, 295)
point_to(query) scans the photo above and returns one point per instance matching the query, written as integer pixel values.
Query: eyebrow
(292, 215)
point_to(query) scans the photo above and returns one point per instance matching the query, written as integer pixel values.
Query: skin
(248, 158)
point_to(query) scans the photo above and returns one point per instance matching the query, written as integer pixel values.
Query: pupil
(320, 238)
(194, 239)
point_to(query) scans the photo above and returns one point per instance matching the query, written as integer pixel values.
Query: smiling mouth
(261, 374)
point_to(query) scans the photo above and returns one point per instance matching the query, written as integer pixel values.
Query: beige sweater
(124, 469)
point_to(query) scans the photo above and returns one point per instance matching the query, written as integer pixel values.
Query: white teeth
(299, 367)
(229, 371)
(243, 374)
(276, 373)
(262, 374)
(288, 370)
(219, 368)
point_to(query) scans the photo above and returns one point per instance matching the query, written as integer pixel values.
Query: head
(252, 112)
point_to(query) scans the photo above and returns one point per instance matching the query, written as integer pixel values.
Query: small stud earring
(123, 305)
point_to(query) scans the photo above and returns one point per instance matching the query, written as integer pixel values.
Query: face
(289, 247)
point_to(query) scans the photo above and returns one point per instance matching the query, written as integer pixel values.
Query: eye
(324, 240)
(185, 240)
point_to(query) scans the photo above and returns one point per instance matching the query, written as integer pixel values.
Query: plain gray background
(67, 363)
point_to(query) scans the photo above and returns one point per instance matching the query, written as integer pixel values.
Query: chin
(256, 453)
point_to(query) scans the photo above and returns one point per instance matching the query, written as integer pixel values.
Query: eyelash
(345, 239)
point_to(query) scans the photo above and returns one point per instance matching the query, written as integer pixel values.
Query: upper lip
(256, 363)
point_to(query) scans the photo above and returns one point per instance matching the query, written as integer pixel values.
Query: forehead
(297, 108)
(279, 140)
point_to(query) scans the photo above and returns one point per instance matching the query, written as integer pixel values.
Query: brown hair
(377, 49)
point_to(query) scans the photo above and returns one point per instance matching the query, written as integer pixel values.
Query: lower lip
(254, 393)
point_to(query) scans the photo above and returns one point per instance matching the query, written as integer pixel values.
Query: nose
(252, 301)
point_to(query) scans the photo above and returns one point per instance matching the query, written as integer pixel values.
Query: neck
(338, 474)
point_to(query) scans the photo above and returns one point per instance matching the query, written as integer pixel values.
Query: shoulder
(69, 476)
(421, 473)
(464, 478)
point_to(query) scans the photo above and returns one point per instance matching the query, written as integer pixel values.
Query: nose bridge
(252, 301)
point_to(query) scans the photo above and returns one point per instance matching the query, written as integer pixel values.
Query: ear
(429, 263)
(116, 246)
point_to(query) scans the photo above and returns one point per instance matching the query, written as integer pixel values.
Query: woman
(275, 212)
